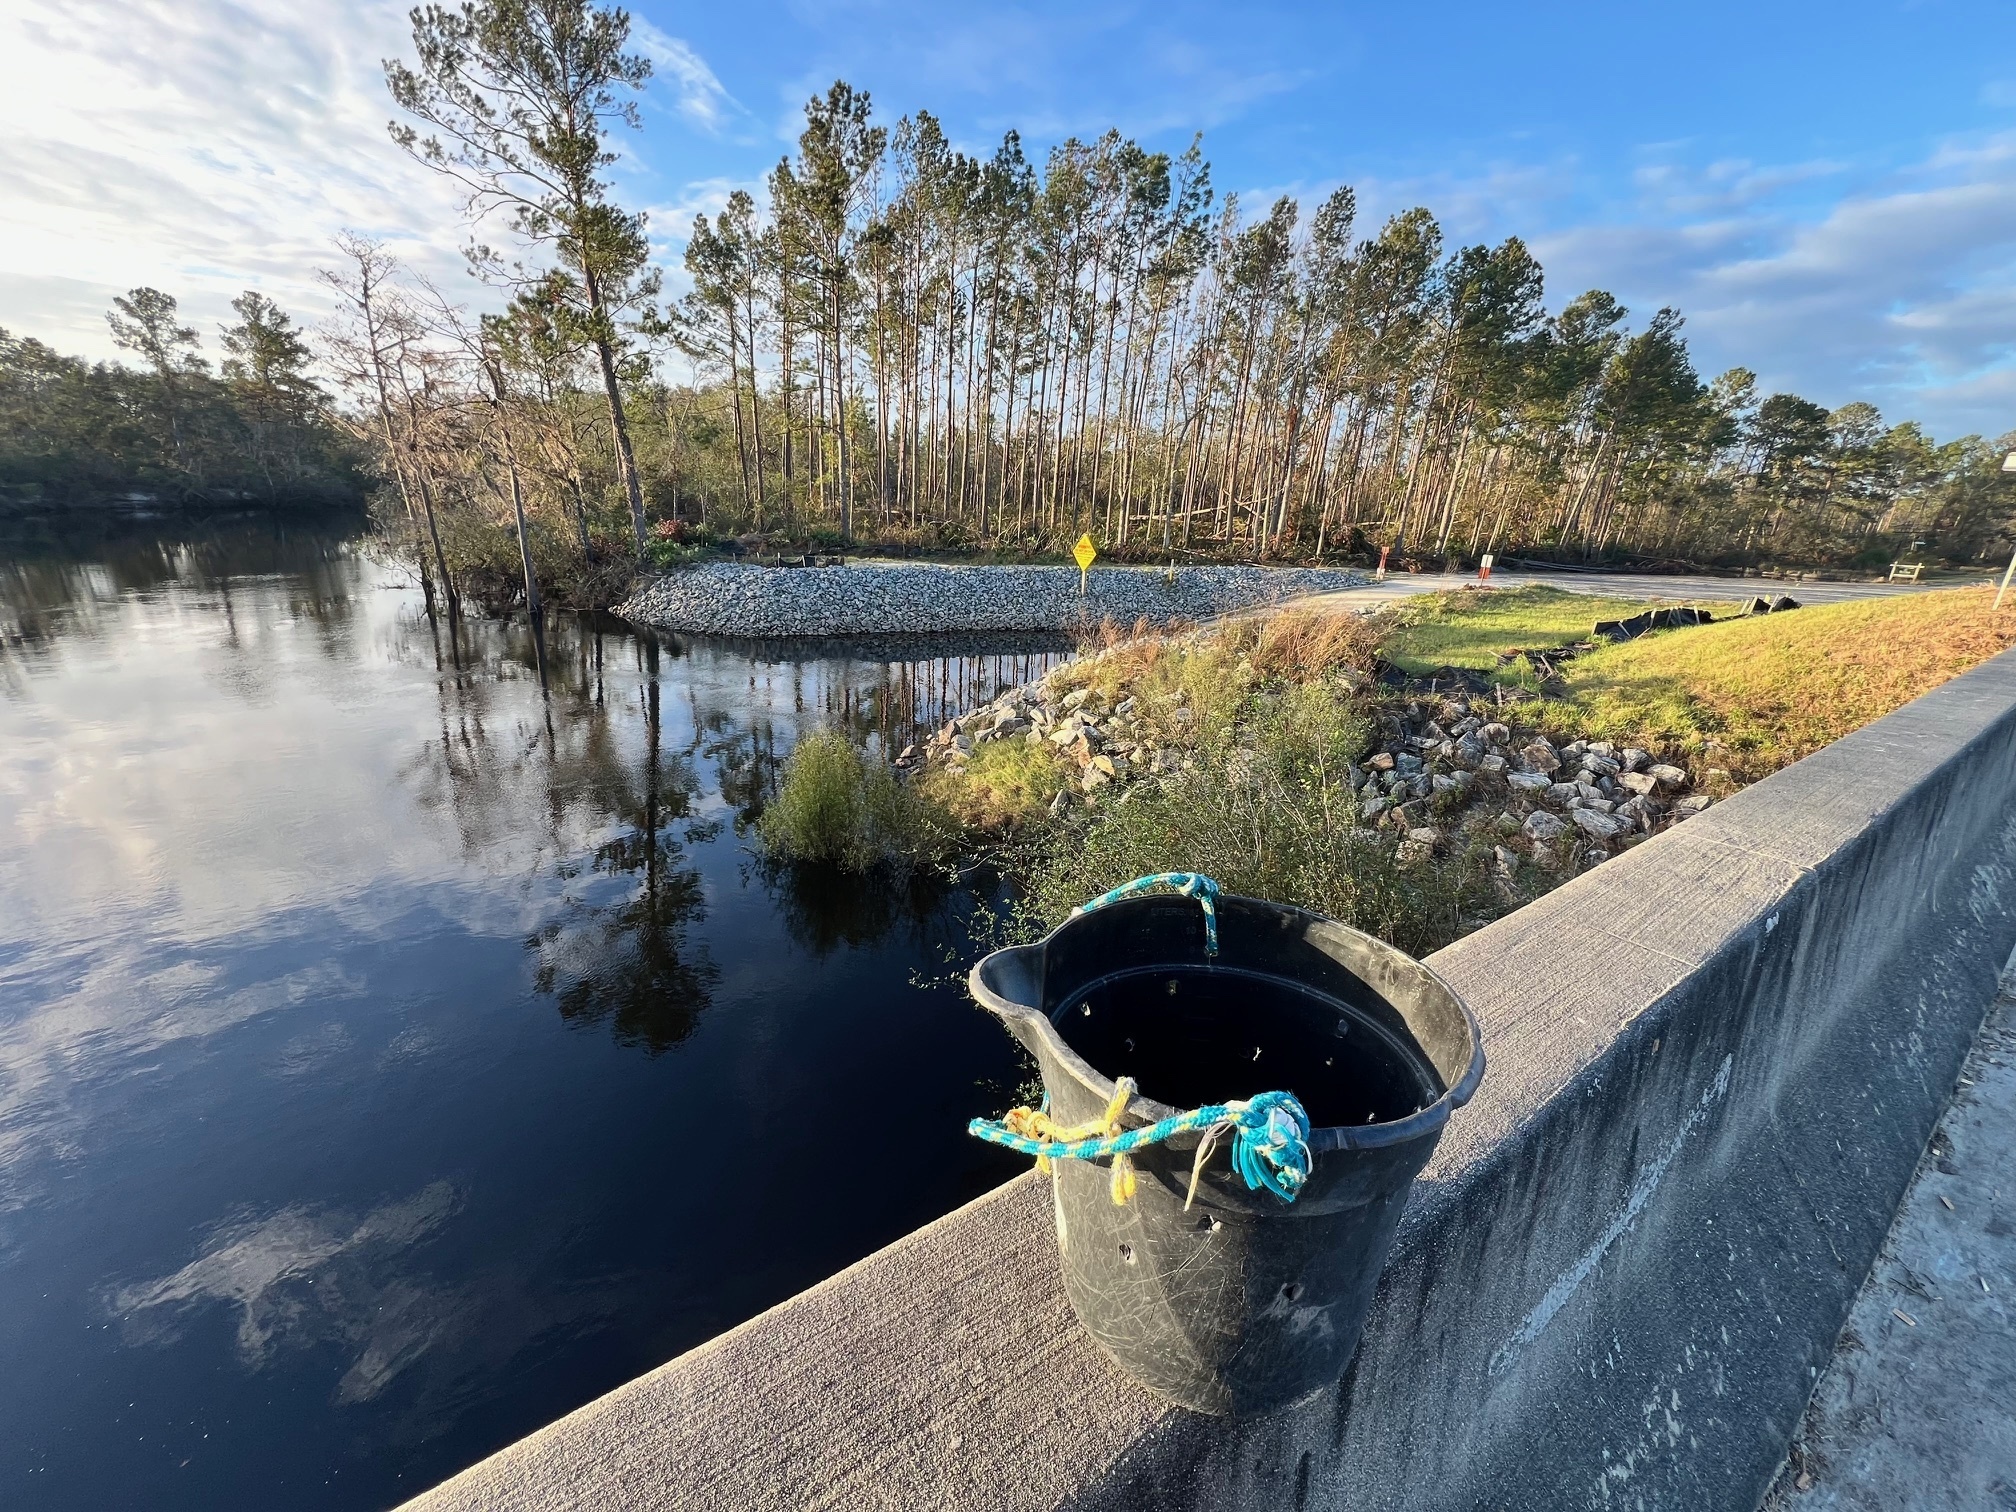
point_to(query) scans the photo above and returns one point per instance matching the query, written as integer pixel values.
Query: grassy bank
(1477, 629)
(1765, 692)
(1305, 756)
(1752, 694)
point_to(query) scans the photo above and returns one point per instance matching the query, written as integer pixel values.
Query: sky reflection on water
(383, 1047)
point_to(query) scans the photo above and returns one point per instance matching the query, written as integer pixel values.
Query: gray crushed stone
(901, 599)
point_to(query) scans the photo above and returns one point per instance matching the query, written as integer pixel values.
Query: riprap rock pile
(1440, 771)
(728, 599)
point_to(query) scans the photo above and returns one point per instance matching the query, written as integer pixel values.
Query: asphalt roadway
(1623, 585)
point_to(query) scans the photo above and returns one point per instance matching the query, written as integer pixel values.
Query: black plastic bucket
(1244, 1303)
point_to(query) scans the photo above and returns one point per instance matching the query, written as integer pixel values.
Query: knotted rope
(1270, 1146)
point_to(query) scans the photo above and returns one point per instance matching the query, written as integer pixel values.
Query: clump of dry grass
(1113, 657)
(1213, 672)
(1304, 645)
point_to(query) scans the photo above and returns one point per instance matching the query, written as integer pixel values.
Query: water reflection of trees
(634, 964)
(931, 912)
(886, 691)
(562, 779)
(611, 779)
(607, 786)
(64, 579)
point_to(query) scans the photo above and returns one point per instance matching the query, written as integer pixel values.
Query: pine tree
(519, 98)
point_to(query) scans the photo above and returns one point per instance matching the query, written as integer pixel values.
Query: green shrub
(667, 553)
(1008, 782)
(838, 809)
(1269, 814)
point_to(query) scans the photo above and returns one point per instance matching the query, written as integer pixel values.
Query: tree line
(896, 340)
(924, 340)
(171, 429)
(893, 340)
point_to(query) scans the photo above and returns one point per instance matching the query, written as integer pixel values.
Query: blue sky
(1828, 192)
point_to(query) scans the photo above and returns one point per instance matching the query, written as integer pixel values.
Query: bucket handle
(1188, 884)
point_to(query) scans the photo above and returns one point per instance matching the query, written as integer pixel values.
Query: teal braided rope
(1188, 884)
(1270, 1150)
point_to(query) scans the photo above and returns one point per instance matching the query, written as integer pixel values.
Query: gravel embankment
(727, 599)
(1440, 768)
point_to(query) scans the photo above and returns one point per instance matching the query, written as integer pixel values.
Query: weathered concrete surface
(1714, 1062)
(1918, 1408)
(885, 1386)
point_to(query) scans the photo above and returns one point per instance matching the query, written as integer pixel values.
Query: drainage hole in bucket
(1127, 1253)
(1217, 1038)
(1292, 1291)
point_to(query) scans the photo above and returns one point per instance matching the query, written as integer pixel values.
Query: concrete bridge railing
(1714, 1063)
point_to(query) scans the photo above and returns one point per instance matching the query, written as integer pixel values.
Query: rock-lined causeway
(904, 599)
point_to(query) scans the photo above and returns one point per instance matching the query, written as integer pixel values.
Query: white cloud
(672, 221)
(208, 146)
(701, 98)
(1897, 292)
(203, 146)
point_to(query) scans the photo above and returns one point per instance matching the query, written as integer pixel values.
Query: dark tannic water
(391, 1058)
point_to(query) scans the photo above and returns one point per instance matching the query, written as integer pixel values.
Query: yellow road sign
(1084, 553)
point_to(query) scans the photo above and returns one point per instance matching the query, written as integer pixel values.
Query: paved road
(1622, 585)
(1914, 1415)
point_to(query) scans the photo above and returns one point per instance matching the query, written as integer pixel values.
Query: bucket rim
(1143, 1110)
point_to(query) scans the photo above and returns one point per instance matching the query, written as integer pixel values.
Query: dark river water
(393, 1058)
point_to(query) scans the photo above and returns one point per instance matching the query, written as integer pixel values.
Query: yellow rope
(1034, 1123)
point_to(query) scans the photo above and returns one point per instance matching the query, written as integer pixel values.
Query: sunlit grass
(1007, 782)
(1472, 628)
(1773, 689)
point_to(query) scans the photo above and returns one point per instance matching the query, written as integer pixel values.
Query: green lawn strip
(1472, 629)
(1756, 694)
(1624, 694)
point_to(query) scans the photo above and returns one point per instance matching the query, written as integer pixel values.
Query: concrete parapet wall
(1713, 1064)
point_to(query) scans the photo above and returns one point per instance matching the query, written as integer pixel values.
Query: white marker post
(1484, 569)
(2008, 466)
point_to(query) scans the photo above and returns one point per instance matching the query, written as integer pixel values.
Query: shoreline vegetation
(1415, 772)
(898, 347)
(173, 434)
